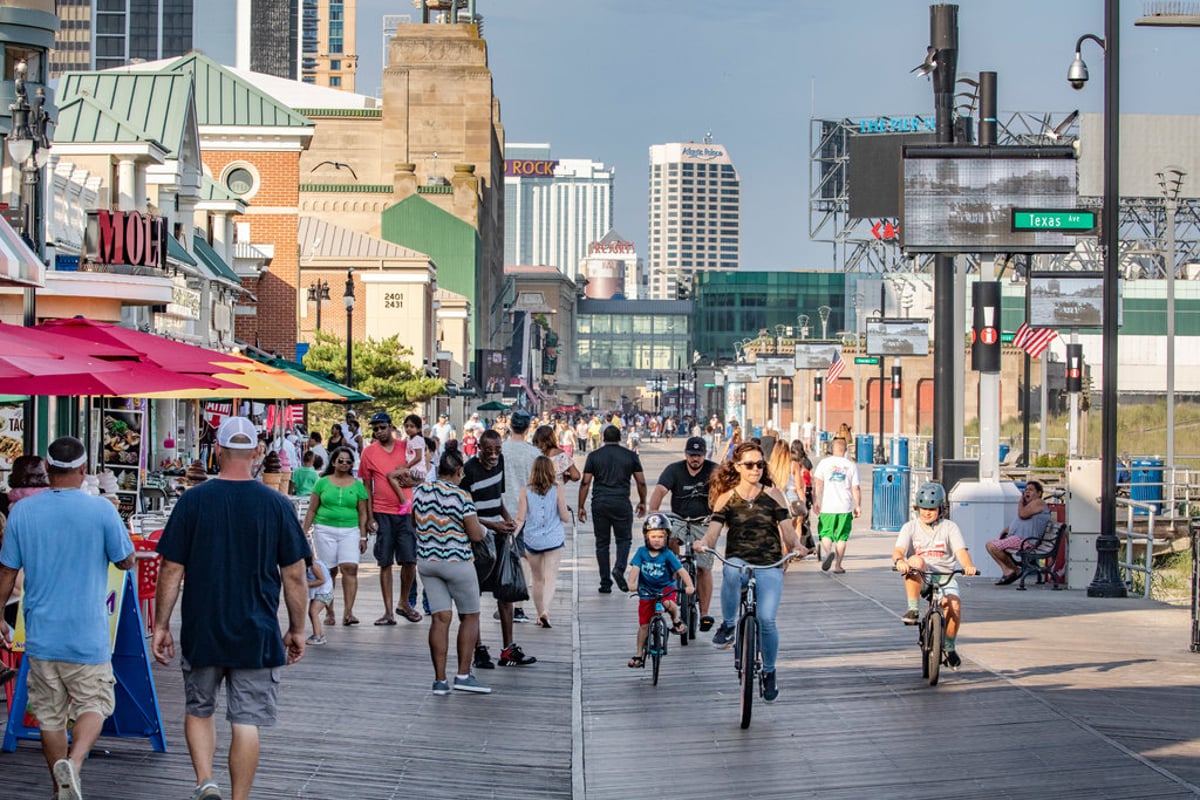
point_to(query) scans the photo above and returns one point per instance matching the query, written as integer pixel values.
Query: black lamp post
(1107, 580)
(348, 299)
(318, 293)
(29, 148)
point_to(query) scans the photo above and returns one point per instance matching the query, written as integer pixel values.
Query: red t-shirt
(374, 467)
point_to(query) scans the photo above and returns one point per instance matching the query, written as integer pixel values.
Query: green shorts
(835, 527)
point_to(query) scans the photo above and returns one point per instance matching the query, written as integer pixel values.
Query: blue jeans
(769, 591)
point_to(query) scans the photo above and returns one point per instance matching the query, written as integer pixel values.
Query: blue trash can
(1004, 448)
(900, 451)
(756, 432)
(823, 446)
(864, 448)
(1146, 483)
(889, 498)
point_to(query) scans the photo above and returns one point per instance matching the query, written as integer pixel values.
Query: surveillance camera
(1077, 83)
(1077, 73)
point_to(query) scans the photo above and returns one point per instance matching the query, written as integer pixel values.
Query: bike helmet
(930, 495)
(656, 522)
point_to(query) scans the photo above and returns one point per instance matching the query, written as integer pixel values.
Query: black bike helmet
(656, 522)
(930, 495)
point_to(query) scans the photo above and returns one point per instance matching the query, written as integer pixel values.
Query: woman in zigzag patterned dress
(446, 524)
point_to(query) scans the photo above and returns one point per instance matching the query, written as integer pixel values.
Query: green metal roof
(212, 191)
(223, 98)
(176, 251)
(126, 106)
(452, 244)
(213, 261)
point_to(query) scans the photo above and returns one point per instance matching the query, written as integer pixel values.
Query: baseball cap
(443, 416)
(695, 447)
(381, 416)
(237, 433)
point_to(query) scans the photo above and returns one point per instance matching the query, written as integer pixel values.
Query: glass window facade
(632, 338)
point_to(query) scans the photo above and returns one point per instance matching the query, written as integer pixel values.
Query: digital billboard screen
(774, 366)
(816, 355)
(1066, 300)
(897, 337)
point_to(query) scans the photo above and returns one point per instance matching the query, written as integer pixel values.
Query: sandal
(350, 620)
(679, 628)
(636, 662)
(410, 614)
(706, 623)
(330, 619)
(385, 621)
(543, 622)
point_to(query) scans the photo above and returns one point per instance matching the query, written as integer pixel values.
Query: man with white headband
(65, 539)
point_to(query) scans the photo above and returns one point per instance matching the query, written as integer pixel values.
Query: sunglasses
(380, 427)
(752, 464)
(343, 461)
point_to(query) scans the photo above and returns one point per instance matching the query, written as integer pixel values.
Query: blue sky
(605, 79)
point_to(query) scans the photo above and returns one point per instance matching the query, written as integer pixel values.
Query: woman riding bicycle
(932, 544)
(756, 516)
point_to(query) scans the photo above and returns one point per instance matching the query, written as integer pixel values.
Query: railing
(1150, 510)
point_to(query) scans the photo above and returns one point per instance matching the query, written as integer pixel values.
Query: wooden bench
(1037, 555)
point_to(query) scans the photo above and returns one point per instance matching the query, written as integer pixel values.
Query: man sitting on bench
(1031, 519)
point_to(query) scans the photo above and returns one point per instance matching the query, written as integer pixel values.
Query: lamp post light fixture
(348, 299)
(1107, 580)
(318, 293)
(1170, 180)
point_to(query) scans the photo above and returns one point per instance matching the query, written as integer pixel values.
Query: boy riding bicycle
(653, 572)
(932, 544)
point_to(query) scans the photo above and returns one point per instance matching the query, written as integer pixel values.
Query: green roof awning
(213, 261)
(319, 379)
(176, 251)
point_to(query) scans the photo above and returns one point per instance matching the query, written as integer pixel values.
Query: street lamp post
(348, 299)
(1107, 580)
(29, 148)
(318, 293)
(1171, 182)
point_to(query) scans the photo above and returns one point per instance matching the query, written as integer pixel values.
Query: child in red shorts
(653, 571)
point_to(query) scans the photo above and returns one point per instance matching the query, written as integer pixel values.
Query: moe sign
(126, 238)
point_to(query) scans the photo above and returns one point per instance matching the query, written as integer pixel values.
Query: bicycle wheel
(748, 652)
(933, 641)
(923, 643)
(685, 617)
(658, 638)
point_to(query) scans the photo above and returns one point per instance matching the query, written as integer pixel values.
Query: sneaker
(441, 688)
(827, 562)
(911, 617)
(207, 791)
(66, 777)
(496, 614)
(619, 580)
(519, 615)
(723, 638)
(952, 660)
(471, 684)
(483, 659)
(770, 689)
(514, 656)
(315, 640)
(605, 590)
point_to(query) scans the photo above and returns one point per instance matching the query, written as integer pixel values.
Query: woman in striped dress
(446, 524)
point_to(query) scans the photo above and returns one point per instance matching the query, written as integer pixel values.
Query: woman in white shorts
(446, 524)
(337, 520)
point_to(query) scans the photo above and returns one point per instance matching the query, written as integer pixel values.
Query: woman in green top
(337, 520)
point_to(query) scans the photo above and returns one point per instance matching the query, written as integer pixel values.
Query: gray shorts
(251, 695)
(396, 540)
(679, 532)
(450, 584)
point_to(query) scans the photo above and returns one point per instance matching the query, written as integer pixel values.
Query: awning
(262, 382)
(319, 379)
(214, 262)
(178, 252)
(19, 265)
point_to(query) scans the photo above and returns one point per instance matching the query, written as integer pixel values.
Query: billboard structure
(1066, 300)
(897, 337)
(774, 366)
(741, 373)
(816, 354)
(874, 172)
(961, 199)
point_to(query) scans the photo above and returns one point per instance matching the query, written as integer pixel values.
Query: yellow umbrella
(262, 382)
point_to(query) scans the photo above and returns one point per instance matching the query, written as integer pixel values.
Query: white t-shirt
(937, 545)
(518, 463)
(840, 477)
(416, 447)
(806, 432)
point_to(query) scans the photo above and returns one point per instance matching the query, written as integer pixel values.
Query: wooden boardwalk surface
(1059, 696)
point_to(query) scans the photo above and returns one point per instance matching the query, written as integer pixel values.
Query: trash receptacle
(1146, 483)
(756, 432)
(900, 451)
(864, 448)
(889, 498)
(1004, 448)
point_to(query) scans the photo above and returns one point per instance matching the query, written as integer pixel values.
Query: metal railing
(1149, 510)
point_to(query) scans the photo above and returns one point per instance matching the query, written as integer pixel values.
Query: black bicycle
(656, 637)
(689, 604)
(931, 631)
(747, 642)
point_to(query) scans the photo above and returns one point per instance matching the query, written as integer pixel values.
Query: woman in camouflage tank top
(755, 515)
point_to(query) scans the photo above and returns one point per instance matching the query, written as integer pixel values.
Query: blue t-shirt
(64, 539)
(657, 572)
(232, 537)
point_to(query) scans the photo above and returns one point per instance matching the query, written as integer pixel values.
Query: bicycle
(747, 642)
(931, 630)
(656, 637)
(689, 604)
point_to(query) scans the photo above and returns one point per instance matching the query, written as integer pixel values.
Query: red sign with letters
(127, 238)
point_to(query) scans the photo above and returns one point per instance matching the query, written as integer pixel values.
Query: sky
(605, 79)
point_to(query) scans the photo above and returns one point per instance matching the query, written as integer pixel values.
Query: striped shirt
(486, 488)
(439, 509)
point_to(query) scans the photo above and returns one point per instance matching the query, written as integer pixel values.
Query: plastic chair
(148, 562)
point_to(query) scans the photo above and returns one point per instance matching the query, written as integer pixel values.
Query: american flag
(1034, 341)
(835, 368)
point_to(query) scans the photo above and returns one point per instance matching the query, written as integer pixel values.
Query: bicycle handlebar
(729, 563)
(940, 577)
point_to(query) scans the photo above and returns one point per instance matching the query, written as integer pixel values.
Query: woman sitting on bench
(1031, 519)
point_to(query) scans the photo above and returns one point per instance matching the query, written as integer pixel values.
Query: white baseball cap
(237, 433)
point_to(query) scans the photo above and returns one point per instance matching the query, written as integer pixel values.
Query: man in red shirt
(390, 517)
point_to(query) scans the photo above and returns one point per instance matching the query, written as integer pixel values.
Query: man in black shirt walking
(611, 467)
(687, 482)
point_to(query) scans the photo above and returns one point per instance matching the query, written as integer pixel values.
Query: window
(335, 64)
(335, 80)
(242, 179)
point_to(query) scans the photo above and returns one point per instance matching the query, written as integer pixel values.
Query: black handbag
(484, 553)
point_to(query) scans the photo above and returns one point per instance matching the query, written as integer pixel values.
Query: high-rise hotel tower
(695, 214)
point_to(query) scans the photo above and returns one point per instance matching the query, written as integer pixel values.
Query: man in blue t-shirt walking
(238, 542)
(64, 540)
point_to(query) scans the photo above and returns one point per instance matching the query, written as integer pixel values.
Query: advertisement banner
(12, 430)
